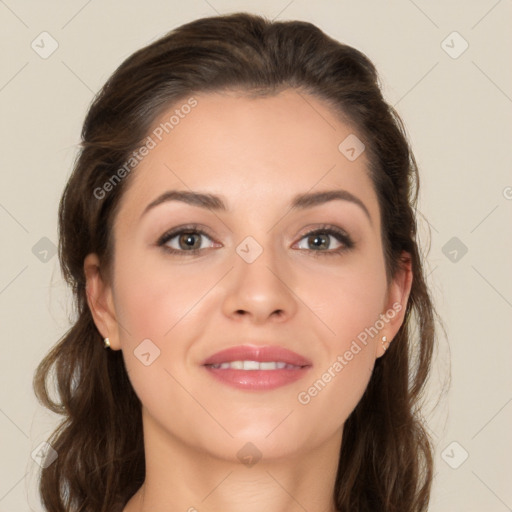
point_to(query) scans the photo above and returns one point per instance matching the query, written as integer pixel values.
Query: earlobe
(396, 303)
(100, 301)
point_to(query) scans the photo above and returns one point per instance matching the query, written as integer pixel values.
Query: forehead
(249, 150)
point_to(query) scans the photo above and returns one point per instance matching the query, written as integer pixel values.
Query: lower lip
(258, 380)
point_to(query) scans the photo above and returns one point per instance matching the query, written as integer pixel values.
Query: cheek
(349, 302)
(352, 305)
(153, 300)
(165, 304)
(347, 298)
(160, 305)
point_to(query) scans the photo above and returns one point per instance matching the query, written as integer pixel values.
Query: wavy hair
(385, 462)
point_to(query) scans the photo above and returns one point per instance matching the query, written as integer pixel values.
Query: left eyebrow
(299, 202)
(311, 199)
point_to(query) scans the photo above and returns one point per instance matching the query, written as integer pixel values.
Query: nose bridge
(257, 284)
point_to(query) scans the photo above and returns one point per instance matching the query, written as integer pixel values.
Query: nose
(260, 291)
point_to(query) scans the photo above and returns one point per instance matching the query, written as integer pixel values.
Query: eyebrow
(213, 202)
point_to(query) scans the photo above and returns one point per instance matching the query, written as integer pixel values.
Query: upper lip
(257, 353)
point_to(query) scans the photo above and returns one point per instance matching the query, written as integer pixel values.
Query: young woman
(239, 232)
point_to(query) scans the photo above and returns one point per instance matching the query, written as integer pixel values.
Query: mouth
(254, 365)
(257, 367)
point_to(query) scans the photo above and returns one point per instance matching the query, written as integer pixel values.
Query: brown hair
(385, 462)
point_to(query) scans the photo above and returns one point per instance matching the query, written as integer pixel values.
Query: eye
(191, 239)
(185, 240)
(321, 241)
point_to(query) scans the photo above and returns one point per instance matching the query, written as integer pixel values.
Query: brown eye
(185, 240)
(189, 240)
(329, 240)
(319, 241)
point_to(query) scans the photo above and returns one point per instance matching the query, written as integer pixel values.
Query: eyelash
(327, 229)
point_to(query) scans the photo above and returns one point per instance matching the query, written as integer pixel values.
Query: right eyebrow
(210, 201)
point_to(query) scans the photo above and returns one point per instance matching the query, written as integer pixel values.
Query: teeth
(254, 365)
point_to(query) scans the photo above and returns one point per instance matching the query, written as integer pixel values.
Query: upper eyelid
(173, 232)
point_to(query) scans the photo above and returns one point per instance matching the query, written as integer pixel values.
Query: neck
(180, 477)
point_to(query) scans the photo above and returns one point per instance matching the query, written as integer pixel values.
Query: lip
(257, 379)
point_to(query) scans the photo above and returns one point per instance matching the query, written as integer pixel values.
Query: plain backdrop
(446, 68)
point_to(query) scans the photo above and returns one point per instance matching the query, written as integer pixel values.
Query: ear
(100, 301)
(396, 303)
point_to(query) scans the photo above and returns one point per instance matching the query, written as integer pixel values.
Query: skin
(257, 154)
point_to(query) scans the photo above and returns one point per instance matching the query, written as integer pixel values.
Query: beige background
(457, 112)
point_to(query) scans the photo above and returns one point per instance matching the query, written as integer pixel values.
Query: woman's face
(276, 265)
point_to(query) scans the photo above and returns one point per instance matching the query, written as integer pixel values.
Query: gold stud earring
(106, 342)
